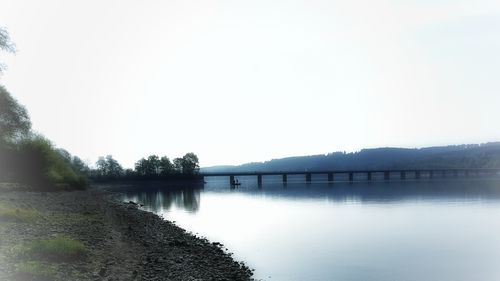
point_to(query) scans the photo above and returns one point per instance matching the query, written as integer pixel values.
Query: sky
(242, 81)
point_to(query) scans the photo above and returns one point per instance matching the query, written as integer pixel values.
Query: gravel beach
(122, 241)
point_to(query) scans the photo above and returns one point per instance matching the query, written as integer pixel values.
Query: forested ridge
(454, 156)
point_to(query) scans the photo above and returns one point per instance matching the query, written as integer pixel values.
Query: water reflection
(162, 200)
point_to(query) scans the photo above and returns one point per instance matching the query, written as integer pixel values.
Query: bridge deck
(387, 173)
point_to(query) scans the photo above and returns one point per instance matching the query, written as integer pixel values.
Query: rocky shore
(121, 241)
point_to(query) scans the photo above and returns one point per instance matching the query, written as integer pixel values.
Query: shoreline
(122, 241)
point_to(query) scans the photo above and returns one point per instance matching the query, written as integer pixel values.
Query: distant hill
(454, 156)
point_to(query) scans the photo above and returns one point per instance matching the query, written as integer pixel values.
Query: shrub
(31, 159)
(40, 165)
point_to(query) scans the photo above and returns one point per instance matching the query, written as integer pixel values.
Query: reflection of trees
(162, 200)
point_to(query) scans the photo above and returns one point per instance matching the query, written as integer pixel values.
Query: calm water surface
(402, 231)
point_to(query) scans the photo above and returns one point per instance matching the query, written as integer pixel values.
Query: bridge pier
(351, 177)
(285, 179)
(330, 177)
(308, 177)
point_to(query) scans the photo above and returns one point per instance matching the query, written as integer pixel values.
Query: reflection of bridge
(369, 175)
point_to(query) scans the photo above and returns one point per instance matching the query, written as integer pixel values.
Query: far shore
(150, 184)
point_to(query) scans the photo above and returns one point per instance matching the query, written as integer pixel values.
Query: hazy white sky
(239, 81)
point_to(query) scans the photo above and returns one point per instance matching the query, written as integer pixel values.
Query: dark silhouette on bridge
(369, 174)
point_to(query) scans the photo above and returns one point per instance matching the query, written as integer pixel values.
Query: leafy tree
(166, 167)
(149, 167)
(65, 155)
(5, 41)
(129, 173)
(190, 164)
(101, 166)
(154, 165)
(114, 168)
(177, 163)
(14, 119)
(108, 167)
(40, 165)
(141, 167)
(79, 166)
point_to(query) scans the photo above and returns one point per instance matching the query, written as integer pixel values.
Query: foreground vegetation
(59, 248)
(29, 158)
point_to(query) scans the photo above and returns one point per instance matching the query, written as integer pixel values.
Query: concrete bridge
(369, 175)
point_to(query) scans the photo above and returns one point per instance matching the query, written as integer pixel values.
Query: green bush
(40, 165)
(31, 159)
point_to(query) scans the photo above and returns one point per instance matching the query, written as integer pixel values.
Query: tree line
(25, 156)
(152, 167)
(30, 159)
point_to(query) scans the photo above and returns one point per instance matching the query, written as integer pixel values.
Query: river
(433, 230)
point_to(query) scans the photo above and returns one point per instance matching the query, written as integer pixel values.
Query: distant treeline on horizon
(442, 157)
